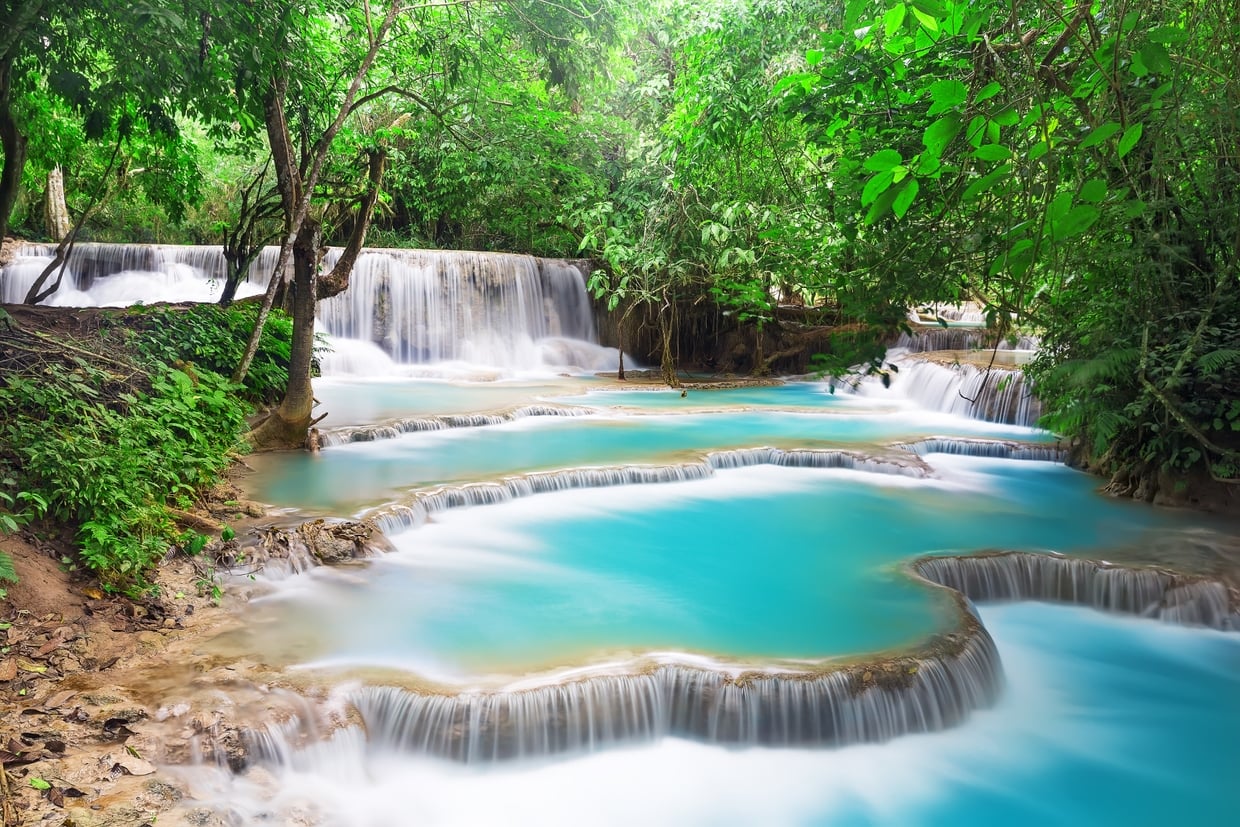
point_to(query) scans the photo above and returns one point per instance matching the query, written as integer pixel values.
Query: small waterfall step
(396, 427)
(415, 510)
(934, 686)
(994, 449)
(995, 394)
(1148, 592)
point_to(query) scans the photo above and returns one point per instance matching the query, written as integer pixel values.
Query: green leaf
(1211, 362)
(876, 186)
(1168, 34)
(946, 94)
(880, 206)
(1007, 117)
(1079, 219)
(926, 20)
(988, 91)
(976, 131)
(940, 133)
(1094, 190)
(883, 160)
(930, 7)
(904, 198)
(984, 183)
(39, 783)
(1156, 58)
(1059, 206)
(992, 152)
(1100, 134)
(1131, 135)
(894, 18)
(813, 57)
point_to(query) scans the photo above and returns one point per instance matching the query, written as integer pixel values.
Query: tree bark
(57, 211)
(337, 281)
(288, 424)
(13, 142)
(296, 199)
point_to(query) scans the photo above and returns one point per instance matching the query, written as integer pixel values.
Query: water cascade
(122, 274)
(415, 509)
(994, 394)
(996, 449)
(394, 428)
(925, 338)
(419, 306)
(926, 690)
(1148, 592)
(423, 306)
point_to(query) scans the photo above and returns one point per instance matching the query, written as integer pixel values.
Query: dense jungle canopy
(1072, 167)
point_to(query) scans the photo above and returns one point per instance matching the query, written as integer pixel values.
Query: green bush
(112, 466)
(213, 338)
(108, 444)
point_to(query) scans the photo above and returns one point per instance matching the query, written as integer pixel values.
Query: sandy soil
(86, 680)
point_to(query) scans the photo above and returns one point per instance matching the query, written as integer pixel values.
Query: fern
(1109, 365)
(1216, 360)
(7, 570)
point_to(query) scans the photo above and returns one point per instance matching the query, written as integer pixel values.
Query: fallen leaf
(31, 666)
(8, 669)
(93, 594)
(58, 700)
(49, 647)
(135, 766)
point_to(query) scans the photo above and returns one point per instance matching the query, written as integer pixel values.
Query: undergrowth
(107, 434)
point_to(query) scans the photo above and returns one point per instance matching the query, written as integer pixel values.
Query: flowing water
(614, 605)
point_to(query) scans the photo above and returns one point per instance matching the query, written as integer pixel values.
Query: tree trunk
(287, 425)
(13, 143)
(55, 208)
(620, 348)
(337, 281)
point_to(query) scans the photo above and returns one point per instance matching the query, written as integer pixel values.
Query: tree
(1071, 167)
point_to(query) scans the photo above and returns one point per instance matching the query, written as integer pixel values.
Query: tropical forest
(686, 412)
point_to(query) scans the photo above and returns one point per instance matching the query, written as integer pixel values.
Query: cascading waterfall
(931, 688)
(924, 339)
(122, 274)
(990, 448)
(423, 306)
(418, 306)
(416, 509)
(1148, 592)
(995, 394)
(394, 428)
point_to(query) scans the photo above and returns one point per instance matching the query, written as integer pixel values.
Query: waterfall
(419, 306)
(415, 509)
(922, 339)
(994, 449)
(820, 458)
(118, 275)
(396, 427)
(1148, 592)
(933, 687)
(996, 395)
(425, 306)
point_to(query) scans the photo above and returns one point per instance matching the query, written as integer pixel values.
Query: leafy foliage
(107, 445)
(211, 338)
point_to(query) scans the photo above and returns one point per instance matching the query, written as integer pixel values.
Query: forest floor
(83, 737)
(83, 740)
